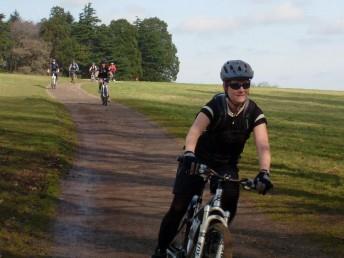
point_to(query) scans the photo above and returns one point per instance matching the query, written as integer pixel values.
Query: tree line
(142, 50)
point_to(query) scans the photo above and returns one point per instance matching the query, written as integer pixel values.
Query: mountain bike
(53, 81)
(72, 76)
(93, 76)
(104, 92)
(203, 232)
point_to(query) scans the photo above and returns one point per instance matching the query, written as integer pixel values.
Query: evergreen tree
(103, 44)
(70, 49)
(159, 59)
(5, 42)
(14, 17)
(85, 32)
(125, 50)
(56, 29)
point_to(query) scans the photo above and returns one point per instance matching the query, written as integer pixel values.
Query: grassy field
(306, 130)
(35, 148)
(306, 133)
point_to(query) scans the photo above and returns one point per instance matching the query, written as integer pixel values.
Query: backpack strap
(247, 113)
(221, 108)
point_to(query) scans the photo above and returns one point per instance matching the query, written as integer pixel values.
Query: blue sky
(296, 43)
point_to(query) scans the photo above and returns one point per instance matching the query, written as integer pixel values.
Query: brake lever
(249, 185)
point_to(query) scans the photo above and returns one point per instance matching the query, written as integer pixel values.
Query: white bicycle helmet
(235, 69)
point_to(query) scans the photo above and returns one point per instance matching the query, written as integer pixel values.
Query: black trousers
(184, 189)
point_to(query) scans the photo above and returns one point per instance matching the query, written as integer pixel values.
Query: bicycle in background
(72, 75)
(73, 69)
(53, 81)
(104, 91)
(53, 70)
(93, 70)
(93, 76)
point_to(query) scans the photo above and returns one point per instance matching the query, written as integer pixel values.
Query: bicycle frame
(72, 75)
(53, 80)
(104, 92)
(211, 213)
(93, 76)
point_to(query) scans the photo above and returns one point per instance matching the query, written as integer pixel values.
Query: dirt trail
(119, 188)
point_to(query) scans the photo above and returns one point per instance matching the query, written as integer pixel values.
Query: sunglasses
(237, 85)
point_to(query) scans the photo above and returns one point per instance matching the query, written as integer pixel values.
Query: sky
(289, 44)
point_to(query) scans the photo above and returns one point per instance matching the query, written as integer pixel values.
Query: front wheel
(218, 242)
(72, 77)
(53, 82)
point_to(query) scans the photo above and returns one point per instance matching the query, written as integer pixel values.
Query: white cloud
(283, 13)
(207, 24)
(334, 28)
(74, 2)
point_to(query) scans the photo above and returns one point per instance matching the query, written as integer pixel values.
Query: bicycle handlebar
(246, 183)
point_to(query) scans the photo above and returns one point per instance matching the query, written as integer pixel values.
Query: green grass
(306, 135)
(306, 129)
(36, 144)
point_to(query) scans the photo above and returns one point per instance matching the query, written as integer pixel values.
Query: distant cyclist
(73, 69)
(53, 68)
(93, 71)
(103, 73)
(112, 70)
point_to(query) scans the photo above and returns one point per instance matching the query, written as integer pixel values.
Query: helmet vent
(239, 68)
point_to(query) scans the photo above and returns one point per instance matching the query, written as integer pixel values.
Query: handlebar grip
(248, 184)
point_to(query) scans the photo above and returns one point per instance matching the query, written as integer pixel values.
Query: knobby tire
(216, 234)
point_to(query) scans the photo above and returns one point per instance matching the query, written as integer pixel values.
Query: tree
(159, 59)
(14, 17)
(56, 29)
(143, 50)
(29, 53)
(85, 32)
(5, 41)
(125, 51)
(68, 50)
(103, 44)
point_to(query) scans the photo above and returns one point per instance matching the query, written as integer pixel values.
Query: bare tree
(29, 53)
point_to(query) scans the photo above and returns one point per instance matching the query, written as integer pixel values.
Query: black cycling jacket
(225, 138)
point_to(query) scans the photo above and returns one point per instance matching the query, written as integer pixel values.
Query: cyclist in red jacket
(112, 70)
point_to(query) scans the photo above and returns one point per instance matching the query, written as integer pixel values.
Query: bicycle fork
(208, 217)
(202, 232)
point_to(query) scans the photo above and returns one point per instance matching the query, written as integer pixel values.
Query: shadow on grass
(311, 189)
(42, 86)
(210, 92)
(35, 151)
(326, 99)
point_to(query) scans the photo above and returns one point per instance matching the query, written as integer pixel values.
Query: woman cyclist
(103, 73)
(217, 138)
